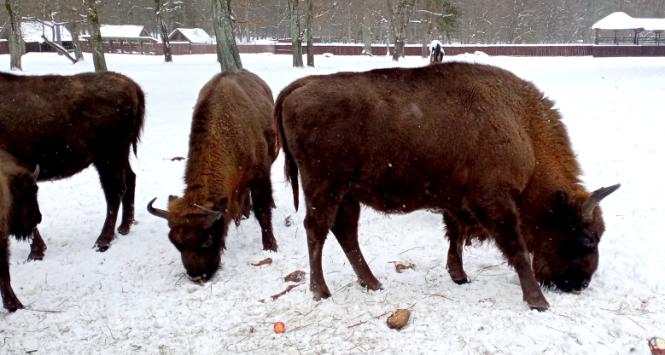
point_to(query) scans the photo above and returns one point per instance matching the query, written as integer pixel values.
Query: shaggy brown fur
(66, 123)
(484, 146)
(232, 145)
(19, 215)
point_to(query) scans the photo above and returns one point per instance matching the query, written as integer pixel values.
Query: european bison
(232, 145)
(19, 215)
(485, 147)
(66, 123)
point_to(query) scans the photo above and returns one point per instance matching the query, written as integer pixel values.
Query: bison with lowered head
(19, 215)
(484, 147)
(232, 145)
(65, 123)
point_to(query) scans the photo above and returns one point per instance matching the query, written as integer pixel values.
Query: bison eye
(207, 243)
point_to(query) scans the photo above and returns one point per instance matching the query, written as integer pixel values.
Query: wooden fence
(182, 48)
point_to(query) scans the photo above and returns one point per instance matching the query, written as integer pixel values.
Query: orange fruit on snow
(279, 327)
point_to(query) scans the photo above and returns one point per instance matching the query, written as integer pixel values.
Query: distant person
(436, 51)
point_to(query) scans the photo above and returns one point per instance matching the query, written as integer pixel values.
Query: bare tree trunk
(401, 19)
(76, 32)
(227, 50)
(96, 44)
(16, 44)
(310, 37)
(296, 33)
(163, 32)
(367, 33)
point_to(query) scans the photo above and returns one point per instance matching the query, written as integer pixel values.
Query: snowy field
(135, 298)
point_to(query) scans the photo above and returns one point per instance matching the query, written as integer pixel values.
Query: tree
(96, 43)
(16, 44)
(308, 27)
(366, 32)
(296, 33)
(227, 51)
(400, 20)
(72, 13)
(161, 24)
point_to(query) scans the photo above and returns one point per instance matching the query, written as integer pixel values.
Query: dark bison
(66, 123)
(232, 145)
(19, 215)
(485, 147)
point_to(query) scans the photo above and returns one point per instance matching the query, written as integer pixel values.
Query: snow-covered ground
(135, 299)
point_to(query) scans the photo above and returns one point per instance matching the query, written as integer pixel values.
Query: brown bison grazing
(19, 215)
(66, 123)
(485, 147)
(232, 145)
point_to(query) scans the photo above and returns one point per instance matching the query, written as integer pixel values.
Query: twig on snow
(288, 288)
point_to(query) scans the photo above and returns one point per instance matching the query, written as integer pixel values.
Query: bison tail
(290, 167)
(139, 114)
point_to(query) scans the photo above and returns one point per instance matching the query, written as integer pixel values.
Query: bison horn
(156, 211)
(35, 174)
(592, 202)
(214, 214)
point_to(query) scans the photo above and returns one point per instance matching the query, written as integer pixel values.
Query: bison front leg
(345, 230)
(37, 246)
(455, 263)
(500, 217)
(9, 299)
(262, 203)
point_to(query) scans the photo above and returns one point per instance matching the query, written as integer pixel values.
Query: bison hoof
(461, 281)
(373, 285)
(123, 230)
(539, 306)
(35, 256)
(12, 305)
(101, 247)
(270, 245)
(320, 294)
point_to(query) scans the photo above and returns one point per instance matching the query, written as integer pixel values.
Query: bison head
(198, 234)
(24, 212)
(565, 243)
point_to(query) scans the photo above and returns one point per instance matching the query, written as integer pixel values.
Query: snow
(135, 298)
(194, 35)
(121, 31)
(622, 21)
(32, 31)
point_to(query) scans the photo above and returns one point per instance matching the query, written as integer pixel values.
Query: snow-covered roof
(194, 35)
(122, 31)
(33, 30)
(622, 21)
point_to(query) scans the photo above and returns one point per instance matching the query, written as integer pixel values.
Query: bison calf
(65, 123)
(472, 141)
(232, 145)
(19, 215)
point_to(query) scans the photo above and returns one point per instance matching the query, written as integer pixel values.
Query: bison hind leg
(37, 246)
(345, 230)
(455, 263)
(128, 201)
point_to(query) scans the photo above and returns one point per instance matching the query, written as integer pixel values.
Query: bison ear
(172, 197)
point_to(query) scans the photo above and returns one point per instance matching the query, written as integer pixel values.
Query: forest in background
(453, 21)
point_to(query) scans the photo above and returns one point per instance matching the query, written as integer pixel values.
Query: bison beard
(231, 148)
(19, 215)
(483, 147)
(65, 123)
